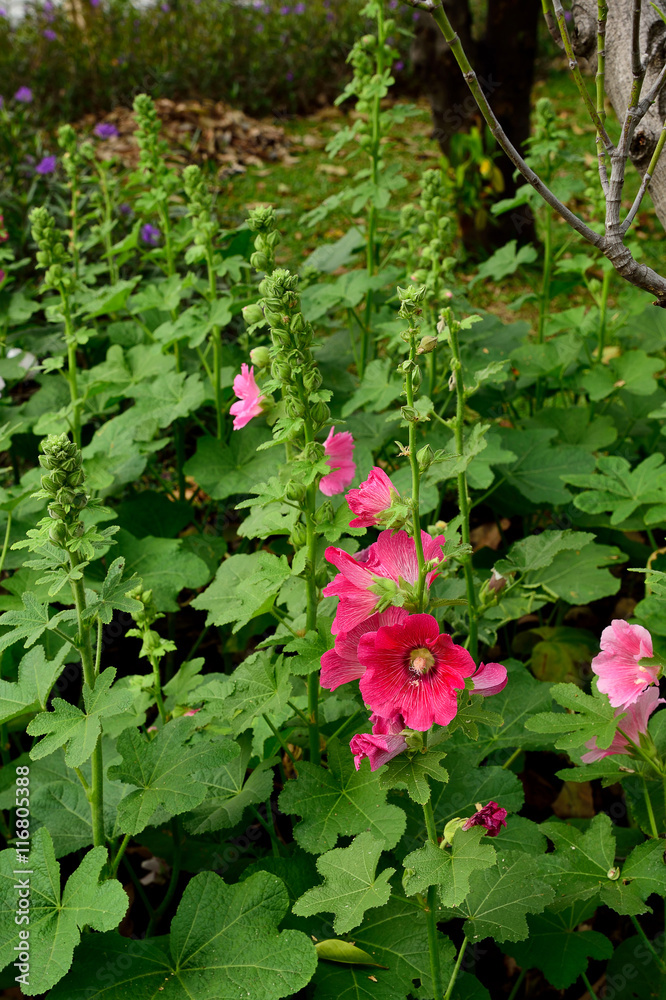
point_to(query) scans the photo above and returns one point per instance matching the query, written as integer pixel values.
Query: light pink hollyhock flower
(391, 557)
(634, 723)
(492, 816)
(383, 745)
(412, 669)
(340, 665)
(192, 711)
(617, 665)
(489, 678)
(339, 450)
(249, 398)
(371, 499)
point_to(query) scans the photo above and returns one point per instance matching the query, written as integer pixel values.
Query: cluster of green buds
(52, 254)
(371, 59)
(153, 646)
(200, 205)
(261, 221)
(152, 149)
(436, 234)
(75, 156)
(64, 485)
(293, 369)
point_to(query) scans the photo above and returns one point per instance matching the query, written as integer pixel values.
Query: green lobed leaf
(227, 470)
(56, 918)
(164, 566)
(244, 587)
(351, 885)
(36, 677)
(411, 771)
(589, 717)
(339, 801)
(449, 868)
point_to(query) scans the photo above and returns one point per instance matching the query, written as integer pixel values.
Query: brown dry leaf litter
(198, 131)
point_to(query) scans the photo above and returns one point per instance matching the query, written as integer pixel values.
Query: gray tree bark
(619, 76)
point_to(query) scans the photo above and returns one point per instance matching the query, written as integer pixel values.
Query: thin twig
(647, 177)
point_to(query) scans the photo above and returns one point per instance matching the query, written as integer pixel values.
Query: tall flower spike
(618, 667)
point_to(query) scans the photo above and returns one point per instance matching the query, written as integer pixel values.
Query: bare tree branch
(631, 214)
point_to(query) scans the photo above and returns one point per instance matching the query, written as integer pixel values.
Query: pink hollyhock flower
(339, 450)
(340, 665)
(383, 745)
(489, 678)
(192, 711)
(371, 499)
(490, 816)
(617, 665)
(634, 723)
(412, 669)
(360, 584)
(249, 398)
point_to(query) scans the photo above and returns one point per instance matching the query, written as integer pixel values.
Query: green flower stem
(648, 944)
(119, 856)
(463, 498)
(96, 793)
(5, 544)
(278, 736)
(603, 310)
(137, 885)
(70, 338)
(516, 986)
(456, 970)
(650, 811)
(588, 985)
(509, 762)
(311, 623)
(416, 484)
(298, 712)
(431, 912)
(98, 648)
(217, 345)
(157, 687)
(544, 296)
(81, 777)
(108, 213)
(173, 881)
(178, 428)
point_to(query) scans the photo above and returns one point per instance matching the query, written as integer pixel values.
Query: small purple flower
(150, 234)
(398, 66)
(46, 166)
(289, 76)
(3, 12)
(299, 8)
(125, 209)
(23, 95)
(94, 3)
(259, 28)
(165, 7)
(330, 17)
(105, 130)
(285, 10)
(393, 4)
(49, 34)
(567, 16)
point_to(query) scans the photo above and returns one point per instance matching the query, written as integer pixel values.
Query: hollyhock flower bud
(341, 664)
(372, 499)
(618, 667)
(490, 816)
(253, 314)
(634, 723)
(489, 678)
(260, 356)
(385, 743)
(413, 669)
(497, 582)
(339, 450)
(250, 399)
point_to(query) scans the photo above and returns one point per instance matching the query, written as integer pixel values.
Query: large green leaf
(226, 470)
(244, 587)
(411, 771)
(339, 802)
(580, 576)
(589, 717)
(541, 465)
(66, 725)
(56, 918)
(351, 885)
(165, 567)
(621, 490)
(36, 677)
(166, 771)
(448, 868)
(224, 945)
(259, 686)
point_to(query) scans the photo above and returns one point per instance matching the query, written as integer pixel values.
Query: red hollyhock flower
(489, 678)
(340, 665)
(490, 816)
(361, 585)
(371, 499)
(383, 745)
(412, 669)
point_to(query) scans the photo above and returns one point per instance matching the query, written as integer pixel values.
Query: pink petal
(341, 665)
(489, 678)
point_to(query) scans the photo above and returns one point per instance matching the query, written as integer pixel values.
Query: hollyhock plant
(341, 665)
(372, 499)
(249, 398)
(618, 667)
(339, 449)
(492, 816)
(413, 669)
(385, 742)
(373, 576)
(632, 725)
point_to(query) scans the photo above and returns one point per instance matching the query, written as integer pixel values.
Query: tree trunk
(619, 76)
(504, 62)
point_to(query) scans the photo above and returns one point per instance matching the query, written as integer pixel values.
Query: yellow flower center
(422, 661)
